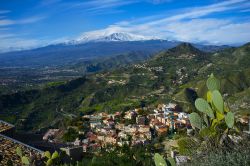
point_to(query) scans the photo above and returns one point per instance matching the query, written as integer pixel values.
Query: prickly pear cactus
(218, 101)
(195, 120)
(205, 119)
(171, 161)
(229, 118)
(203, 106)
(47, 154)
(214, 110)
(55, 155)
(159, 160)
(209, 96)
(213, 83)
(49, 162)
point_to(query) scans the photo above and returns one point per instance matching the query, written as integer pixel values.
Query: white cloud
(12, 41)
(7, 35)
(202, 11)
(212, 31)
(99, 6)
(29, 20)
(7, 22)
(189, 25)
(9, 44)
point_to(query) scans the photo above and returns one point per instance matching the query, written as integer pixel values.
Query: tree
(70, 135)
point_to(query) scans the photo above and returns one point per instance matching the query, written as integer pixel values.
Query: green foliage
(186, 145)
(47, 154)
(39, 108)
(195, 120)
(70, 135)
(229, 119)
(217, 100)
(51, 159)
(209, 96)
(215, 114)
(208, 132)
(205, 119)
(237, 155)
(53, 84)
(121, 156)
(159, 160)
(171, 161)
(19, 152)
(49, 162)
(213, 83)
(55, 155)
(203, 106)
(25, 160)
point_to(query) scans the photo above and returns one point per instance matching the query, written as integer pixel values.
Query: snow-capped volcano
(124, 37)
(117, 36)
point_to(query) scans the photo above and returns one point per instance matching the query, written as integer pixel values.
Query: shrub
(239, 155)
(186, 146)
(70, 135)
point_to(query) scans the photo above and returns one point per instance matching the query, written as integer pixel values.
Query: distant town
(102, 130)
(105, 131)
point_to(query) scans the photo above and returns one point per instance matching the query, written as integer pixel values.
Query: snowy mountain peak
(123, 37)
(106, 37)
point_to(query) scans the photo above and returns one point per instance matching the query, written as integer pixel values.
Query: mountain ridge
(116, 36)
(61, 54)
(153, 81)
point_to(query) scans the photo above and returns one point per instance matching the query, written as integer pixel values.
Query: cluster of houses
(181, 76)
(108, 130)
(133, 127)
(122, 82)
(145, 66)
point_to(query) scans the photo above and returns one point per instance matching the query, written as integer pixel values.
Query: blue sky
(33, 23)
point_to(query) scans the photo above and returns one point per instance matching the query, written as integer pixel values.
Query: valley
(139, 105)
(32, 69)
(168, 76)
(125, 83)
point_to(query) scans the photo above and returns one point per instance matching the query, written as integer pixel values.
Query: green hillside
(172, 75)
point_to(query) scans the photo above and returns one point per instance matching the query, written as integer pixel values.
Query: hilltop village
(92, 133)
(134, 127)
